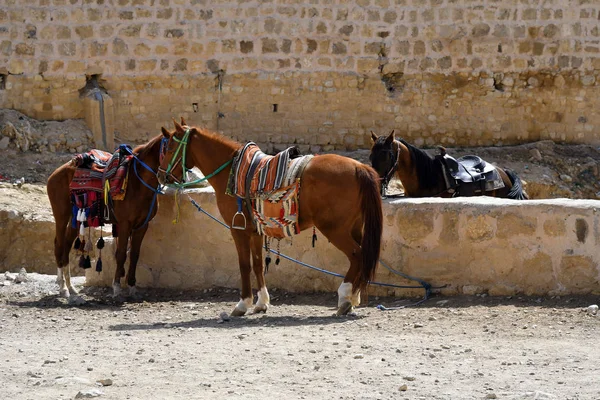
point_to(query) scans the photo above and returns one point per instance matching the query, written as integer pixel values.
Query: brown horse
(131, 214)
(339, 196)
(424, 176)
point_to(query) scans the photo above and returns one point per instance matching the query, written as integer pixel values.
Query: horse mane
(427, 167)
(143, 149)
(219, 138)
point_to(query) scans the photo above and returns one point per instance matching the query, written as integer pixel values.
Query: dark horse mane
(427, 167)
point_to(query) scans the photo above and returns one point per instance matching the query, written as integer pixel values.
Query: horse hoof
(132, 292)
(237, 313)
(261, 309)
(344, 309)
(63, 293)
(76, 300)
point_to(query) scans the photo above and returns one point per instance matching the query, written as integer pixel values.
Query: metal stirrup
(239, 212)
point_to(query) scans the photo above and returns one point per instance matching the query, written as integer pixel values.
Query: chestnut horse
(422, 175)
(131, 215)
(338, 195)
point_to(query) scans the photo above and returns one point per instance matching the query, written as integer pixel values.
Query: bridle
(385, 180)
(179, 157)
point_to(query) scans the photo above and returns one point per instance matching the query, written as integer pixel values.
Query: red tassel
(281, 213)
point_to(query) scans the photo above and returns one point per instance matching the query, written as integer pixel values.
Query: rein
(182, 147)
(388, 176)
(156, 190)
(424, 285)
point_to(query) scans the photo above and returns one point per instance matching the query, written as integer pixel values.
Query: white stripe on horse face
(344, 293)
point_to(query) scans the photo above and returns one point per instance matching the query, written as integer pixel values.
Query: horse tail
(368, 181)
(516, 192)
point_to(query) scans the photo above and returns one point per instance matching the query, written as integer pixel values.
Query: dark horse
(131, 215)
(425, 176)
(339, 196)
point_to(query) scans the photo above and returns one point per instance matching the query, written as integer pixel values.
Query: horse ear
(373, 137)
(178, 127)
(183, 121)
(390, 138)
(165, 132)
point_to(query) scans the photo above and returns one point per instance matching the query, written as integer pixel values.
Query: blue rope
(156, 190)
(424, 284)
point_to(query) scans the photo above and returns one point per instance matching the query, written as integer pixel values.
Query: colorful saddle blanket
(94, 168)
(273, 185)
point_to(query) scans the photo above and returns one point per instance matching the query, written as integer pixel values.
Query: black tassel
(82, 262)
(82, 245)
(87, 263)
(115, 232)
(267, 262)
(77, 244)
(100, 244)
(99, 265)
(277, 260)
(314, 237)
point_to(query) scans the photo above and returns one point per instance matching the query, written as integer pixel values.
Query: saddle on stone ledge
(469, 175)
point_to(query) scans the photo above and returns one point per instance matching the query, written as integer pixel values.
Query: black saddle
(469, 175)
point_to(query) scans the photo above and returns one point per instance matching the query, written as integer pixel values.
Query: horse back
(330, 189)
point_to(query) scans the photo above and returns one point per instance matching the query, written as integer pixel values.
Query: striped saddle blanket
(273, 185)
(97, 166)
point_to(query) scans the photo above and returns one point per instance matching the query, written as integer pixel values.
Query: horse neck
(208, 153)
(418, 179)
(149, 155)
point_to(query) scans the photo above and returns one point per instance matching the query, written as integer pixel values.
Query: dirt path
(172, 345)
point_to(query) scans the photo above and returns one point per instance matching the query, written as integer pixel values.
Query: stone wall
(320, 74)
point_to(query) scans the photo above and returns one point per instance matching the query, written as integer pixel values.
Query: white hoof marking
(344, 293)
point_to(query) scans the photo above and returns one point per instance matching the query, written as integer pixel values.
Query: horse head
(173, 154)
(384, 157)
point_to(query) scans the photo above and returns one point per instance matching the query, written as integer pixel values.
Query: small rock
(593, 309)
(565, 178)
(535, 154)
(224, 316)
(22, 277)
(491, 396)
(90, 368)
(403, 388)
(151, 360)
(409, 378)
(359, 356)
(417, 325)
(89, 393)
(4, 142)
(105, 382)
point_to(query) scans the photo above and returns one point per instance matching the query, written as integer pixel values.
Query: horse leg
(262, 303)
(120, 257)
(136, 243)
(65, 235)
(242, 243)
(345, 241)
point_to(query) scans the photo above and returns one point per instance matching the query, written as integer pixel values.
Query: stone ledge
(479, 245)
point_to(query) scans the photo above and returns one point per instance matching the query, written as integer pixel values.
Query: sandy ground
(174, 345)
